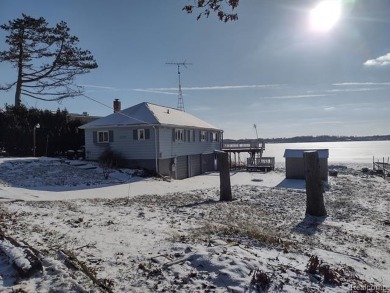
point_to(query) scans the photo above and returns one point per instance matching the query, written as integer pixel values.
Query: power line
(96, 101)
(139, 120)
(120, 113)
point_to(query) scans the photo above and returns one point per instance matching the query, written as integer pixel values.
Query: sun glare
(325, 15)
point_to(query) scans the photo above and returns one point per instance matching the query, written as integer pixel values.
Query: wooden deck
(255, 162)
(260, 164)
(381, 168)
(256, 147)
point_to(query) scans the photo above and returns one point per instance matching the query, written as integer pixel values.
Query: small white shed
(295, 168)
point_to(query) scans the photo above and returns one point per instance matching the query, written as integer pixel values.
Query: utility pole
(34, 137)
(180, 101)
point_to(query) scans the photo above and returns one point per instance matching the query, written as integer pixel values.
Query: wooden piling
(224, 177)
(314, 188)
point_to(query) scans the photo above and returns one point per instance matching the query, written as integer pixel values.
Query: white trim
(179, 134)
(105, 134)
(203, 135)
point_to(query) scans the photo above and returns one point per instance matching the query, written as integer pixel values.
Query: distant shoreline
(322, 138)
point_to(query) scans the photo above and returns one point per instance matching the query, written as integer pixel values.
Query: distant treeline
(321, 138)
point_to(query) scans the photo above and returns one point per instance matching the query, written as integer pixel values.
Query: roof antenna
(180, 101)
(255, 127)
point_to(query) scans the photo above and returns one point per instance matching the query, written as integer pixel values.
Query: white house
(157, 138)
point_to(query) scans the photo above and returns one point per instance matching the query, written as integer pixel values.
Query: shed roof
(298, 153)
(149, 114)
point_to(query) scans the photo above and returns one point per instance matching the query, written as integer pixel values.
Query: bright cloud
(380, 61)
(204, 88)
(296, 97)
(158, 91)
(100, 87)
(361, 83)
(330, 108)
(230, 87)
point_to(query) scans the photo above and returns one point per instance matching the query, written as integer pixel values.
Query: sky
(270, 68)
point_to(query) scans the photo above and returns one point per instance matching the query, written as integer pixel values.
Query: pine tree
(47, 59)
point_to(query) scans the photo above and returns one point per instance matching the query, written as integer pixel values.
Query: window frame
(105, 134)
(179, 134)
(141, 131)
(203, 135)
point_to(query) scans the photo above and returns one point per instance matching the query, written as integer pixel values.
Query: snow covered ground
(134, 234)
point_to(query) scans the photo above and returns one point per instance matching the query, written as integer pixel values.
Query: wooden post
(224, 177)
(384, 169)
(314, 188)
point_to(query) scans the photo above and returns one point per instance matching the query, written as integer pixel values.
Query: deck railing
(261, 162)
(381, 167)
(251, 145)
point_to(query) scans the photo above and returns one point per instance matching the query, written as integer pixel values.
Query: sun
(325, 15)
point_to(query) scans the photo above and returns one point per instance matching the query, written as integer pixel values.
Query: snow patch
(15, 254)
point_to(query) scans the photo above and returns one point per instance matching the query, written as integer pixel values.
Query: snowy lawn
(133, 234)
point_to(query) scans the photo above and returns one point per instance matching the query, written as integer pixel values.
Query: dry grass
(259, 216)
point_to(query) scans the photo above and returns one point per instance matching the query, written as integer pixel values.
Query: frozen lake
(343, 151)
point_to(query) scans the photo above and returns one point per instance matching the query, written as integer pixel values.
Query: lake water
(345, 151)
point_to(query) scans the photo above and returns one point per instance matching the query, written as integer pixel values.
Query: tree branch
(214, 6)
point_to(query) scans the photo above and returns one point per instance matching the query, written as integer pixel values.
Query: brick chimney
(117, 105)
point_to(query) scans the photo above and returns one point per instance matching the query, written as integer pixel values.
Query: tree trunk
(18, 91)
(224, 177)
(314, 188)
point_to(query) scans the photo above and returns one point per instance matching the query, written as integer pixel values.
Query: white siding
(123, 143)
(191, 153)
(170, 148)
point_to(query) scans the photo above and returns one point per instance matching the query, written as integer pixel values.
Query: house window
(141, 134)
(203, 135)
(102, 137)
(215, 136)
(179, 135)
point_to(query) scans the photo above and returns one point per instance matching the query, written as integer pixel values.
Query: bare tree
(47, 59)
(206, 7)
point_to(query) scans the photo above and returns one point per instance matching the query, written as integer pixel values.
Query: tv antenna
(180, 101)
(255, 127)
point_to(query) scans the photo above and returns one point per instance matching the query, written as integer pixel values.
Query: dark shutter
(188, 135)
(94, 135)
(185, 135)
(135, 134)
(147, 133)
(173, 134)
(111, 136)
